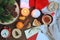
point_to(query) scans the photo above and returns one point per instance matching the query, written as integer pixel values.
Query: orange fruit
(19, 25)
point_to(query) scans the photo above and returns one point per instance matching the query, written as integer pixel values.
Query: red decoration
(52, 14)
(40, 4)
(31, 3)
(33, 37)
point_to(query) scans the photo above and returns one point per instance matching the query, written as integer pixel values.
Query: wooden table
(12, 26)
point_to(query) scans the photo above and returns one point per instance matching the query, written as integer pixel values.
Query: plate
(14, 19)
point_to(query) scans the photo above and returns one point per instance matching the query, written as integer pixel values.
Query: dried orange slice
(22, 18)
(19, 25)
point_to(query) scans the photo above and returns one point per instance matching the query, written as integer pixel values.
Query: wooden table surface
(12, 26)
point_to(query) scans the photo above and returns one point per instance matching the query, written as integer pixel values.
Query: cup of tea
(47, 19)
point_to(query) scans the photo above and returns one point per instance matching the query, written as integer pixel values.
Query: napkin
(33, 37)
(31, 34)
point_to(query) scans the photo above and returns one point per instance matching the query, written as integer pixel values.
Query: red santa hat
(39, 4)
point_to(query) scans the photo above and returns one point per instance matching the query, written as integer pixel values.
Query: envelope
(31, 34)
(24, 4)
(33, 37)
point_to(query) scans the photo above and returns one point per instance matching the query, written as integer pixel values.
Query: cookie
(36, 23)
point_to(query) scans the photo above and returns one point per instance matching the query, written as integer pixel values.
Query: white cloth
(55, 31)
(42, 35)
(55, 27)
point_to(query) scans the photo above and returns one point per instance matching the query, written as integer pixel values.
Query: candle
(25, 12)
